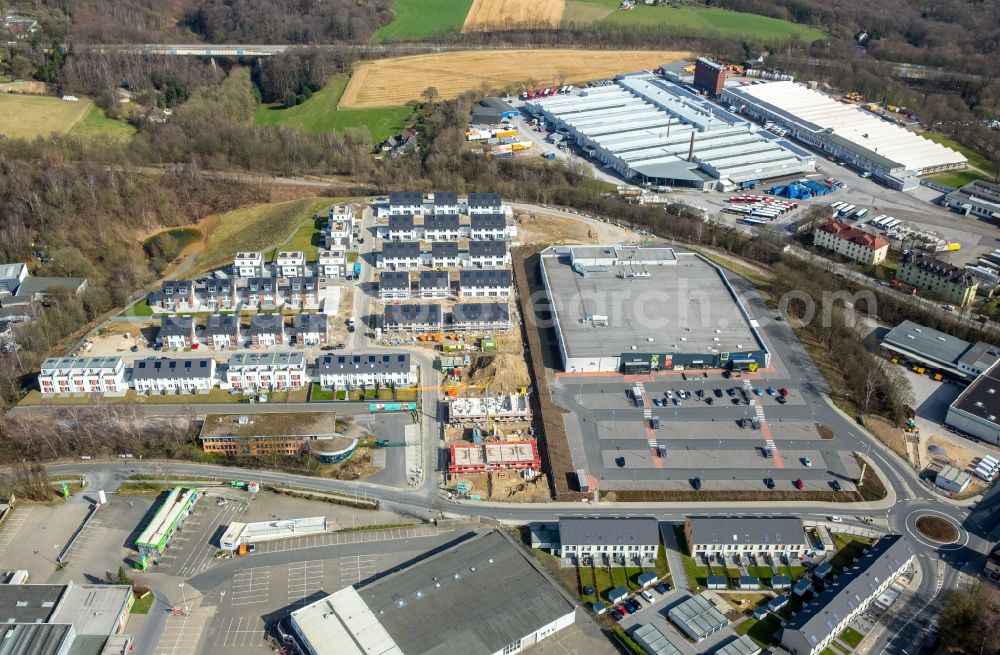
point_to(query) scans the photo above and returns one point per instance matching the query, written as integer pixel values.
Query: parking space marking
(251, 586)
(182, 632)
(18, 517)
(240, 632)
(355, 568)
(200, 554)
(339, 538)
(304, 579)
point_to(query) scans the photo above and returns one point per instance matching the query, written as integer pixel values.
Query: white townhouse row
(446, 227)
(409, 255)
(64, 376)
(244, 371)
(416, 203)
(366, 370)
(266, 371)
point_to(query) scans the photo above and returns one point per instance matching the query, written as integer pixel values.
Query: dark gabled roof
(401, 222)
(309, 323)
(497, 103)
(262, 284)
(488, 221)
(444, 249)
(485, 277)
(442, 198)
(441, 222)
(851, 588)
(412, 315)
(162, 367)
(434, 280)
(303, 283)
(177, 287)
(401, 249)
(267, 324)
(938, 268)
(176, 325)
(218, 286)
(484, 200)
(586, 531)
(406, 198)
(475, 597)
(487, 248)
(480, 312)
(394, 280)
(380, 363)
(778, 530)
(222, 324)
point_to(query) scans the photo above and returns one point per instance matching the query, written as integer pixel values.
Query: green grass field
(732, 23)
(419, 19)
(96, 124)
(253, 228)
(320, 114)
(851, 637)
(981, 168)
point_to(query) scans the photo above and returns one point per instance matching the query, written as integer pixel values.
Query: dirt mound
(508, 372)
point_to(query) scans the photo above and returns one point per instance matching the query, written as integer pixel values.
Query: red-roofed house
(851, 242)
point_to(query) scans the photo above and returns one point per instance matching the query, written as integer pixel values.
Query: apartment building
(485, 283)
(310, 329)
(773, 535)
(951, 283)
(365, 370)
(261, 293)
(484, 227)
(339, 228)
(219, 295)
(290, 263)
(400, 255)
(445, 254)
(442, 227)
(402, 227)
(489, 254)
(264, 371)
(611, 536)
(163, 375)
(485, 203)
(817, 624)
(480, 317)
(434, 284)
(248, 264)
(267, 330)
(406, 202)
(62, 376)
(299, 292)
(176, 296)
(176, 332)
(394, 285)
(222, 331)
(411, 318)
(332, 262)
(444, 202)
(851, 242)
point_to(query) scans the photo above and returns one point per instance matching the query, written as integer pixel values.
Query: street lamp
(183, 598)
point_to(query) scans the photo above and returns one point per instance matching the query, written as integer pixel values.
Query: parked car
(835, 485)
(700, 393)
(677, 401)
(798, 483)
(635, 604)
(736, 401)
(617, 614)
(696, 483)
(627, 608)
(784, 392)
(662, 588)
(836, 519)
(770, 391)
(807, 461)
(620, 461)
(731, 391)
(646, 596)
(710, 400)
(769, 483)
(781, 400)
(717, 392)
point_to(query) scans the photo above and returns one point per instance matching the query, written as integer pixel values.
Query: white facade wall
(290, 264)
(401, 263)
(266, 377)
(485, 292)
(248, 264)
(176, 385)
(331, 263)
(442, 234)
(538, 635)
(485, 261)
(488, 234)
(849, 249)
(971, 424)
(63, 382)
(360, 378)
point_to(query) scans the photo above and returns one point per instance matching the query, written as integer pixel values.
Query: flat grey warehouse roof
(489, 594)
(654, 300)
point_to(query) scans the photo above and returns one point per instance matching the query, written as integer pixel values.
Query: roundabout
(936, 530)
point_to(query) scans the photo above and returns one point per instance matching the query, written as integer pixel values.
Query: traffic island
(937, 529)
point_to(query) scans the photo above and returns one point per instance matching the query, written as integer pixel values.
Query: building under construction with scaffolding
(494, 456)
(637, 309)
(506, 407)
